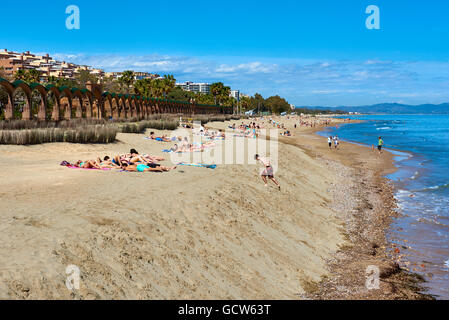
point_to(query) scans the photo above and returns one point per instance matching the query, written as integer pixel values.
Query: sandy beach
(198, 233)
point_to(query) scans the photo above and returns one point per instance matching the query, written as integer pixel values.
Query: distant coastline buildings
(11, 62)
(137, 75)
(235, 94)
(195, 87)
(205, 88)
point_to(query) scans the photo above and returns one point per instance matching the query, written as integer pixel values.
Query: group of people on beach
(333, 140)
(130, 162)
(251, 130)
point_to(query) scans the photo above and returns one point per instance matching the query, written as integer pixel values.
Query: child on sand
(329, 141)
(267, 171)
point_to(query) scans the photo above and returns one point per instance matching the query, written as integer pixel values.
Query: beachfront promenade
(57, 103)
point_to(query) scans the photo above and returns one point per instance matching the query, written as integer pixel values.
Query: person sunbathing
(121, 159)
(135, 157)
(152, 158)
(89, 164)
(107, 163)
(146, 168)
(164, 138)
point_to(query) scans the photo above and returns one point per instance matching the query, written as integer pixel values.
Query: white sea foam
(441, 186)
(383, 128)
(402, 193)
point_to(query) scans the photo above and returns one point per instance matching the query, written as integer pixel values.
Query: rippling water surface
(422, 188)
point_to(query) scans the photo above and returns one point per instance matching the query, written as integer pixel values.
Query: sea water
(420, 144)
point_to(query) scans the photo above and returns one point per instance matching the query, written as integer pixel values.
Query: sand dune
(192, 233)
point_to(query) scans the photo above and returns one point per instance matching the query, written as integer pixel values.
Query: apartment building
(195, 87)
(235, 94)
(11, 62)
(137, 75)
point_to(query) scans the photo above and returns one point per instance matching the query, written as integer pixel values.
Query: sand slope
(193, 233)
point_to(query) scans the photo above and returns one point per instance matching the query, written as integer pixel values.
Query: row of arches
(35, 101)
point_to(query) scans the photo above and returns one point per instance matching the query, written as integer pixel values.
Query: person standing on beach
(336, 142)
(329, 141)
(380, 145)
(267, 171)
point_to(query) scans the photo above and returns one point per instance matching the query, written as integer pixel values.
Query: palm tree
(127, 79)
(157, 88)
(143, 88)
(168, 83)
(52, 80)
(33, 75)
(218, 90)
(20, 75)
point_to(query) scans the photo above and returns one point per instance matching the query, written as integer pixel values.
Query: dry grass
(84, 134)
(22, 132)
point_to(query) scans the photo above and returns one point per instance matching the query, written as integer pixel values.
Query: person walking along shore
(380, 144)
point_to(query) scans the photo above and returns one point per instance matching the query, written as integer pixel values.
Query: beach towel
(73, 167)
(190, 151)
(160, 139)
(209, 166)
(68, 165)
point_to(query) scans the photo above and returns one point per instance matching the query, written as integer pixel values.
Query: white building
(195, 87)
(235, 94)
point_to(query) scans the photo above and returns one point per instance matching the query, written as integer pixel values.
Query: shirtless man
(267, 171)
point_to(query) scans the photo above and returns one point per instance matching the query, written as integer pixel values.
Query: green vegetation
(274, 104)
(164, 88)
(219, 92)
(29, 76)
(155, 88)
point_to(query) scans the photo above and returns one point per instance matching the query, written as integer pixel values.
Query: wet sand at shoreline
(193, 233)
(366, 204)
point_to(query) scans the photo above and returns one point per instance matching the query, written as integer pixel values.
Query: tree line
(160, 87)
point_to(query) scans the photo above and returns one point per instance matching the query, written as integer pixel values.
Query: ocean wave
(384, 128)
(402, 192)
(443, 186)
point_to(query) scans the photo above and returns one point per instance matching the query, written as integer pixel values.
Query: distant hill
(392, 108)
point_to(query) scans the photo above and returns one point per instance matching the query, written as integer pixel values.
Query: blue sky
(311, 52)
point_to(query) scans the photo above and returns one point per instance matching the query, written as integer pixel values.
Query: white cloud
(302, 82)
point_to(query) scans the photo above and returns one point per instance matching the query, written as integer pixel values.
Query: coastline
(219, 239)
(366, 227)
(192, 233)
